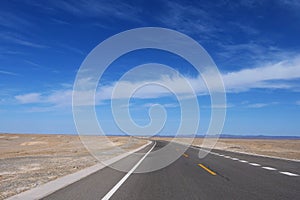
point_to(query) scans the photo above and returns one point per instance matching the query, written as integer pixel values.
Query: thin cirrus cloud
(57, 98)
(19, 40)
(13, 21)
(199, 20)
(4, 72)
(261, 105)
(166, 105)
(92, 8)
(265, 77)
(29, 98)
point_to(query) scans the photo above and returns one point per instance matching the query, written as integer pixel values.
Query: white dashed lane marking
(256, 165)
(269, 168)
(288, 173)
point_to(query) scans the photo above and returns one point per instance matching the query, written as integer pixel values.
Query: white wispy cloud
(59, 21)
(32, 63)
(202, 22)
(92, 8)
(253, 53)
(29, 98)
(298, 103)
(57, 98)
(270, 76)
(73, 49)
(20, 40)
(13, 21)
(264, 77)
(189, 19)
(165, 105)
(8, 73)
(261, 105)
(292, 3)
(226, 106)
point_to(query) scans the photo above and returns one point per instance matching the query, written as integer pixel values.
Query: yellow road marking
(185, 155)
(208, 170)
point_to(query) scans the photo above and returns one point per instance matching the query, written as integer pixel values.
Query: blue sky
(255, 45)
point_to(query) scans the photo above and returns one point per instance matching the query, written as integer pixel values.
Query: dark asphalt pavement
(220, 175)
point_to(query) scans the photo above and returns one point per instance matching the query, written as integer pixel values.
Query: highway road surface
(220, 175)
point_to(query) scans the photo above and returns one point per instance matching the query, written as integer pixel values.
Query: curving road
(220, 175)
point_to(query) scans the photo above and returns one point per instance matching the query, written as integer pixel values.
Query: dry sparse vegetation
(29, 160)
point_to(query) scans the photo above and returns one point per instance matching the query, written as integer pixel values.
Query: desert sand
(29, 160)
(280, 148)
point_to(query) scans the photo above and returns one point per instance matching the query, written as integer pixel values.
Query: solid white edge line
(288, 173)
(118, 185)
(55, 185)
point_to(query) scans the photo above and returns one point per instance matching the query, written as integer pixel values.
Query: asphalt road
(220, 175)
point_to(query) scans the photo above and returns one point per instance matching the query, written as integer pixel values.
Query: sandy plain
(29, 160)
(281, 148)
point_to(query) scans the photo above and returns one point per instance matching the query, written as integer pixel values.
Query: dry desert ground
(29, 160)
(281, 148)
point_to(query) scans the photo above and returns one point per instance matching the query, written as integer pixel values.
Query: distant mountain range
(255, 136)
(233, 136)
(227, 136)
